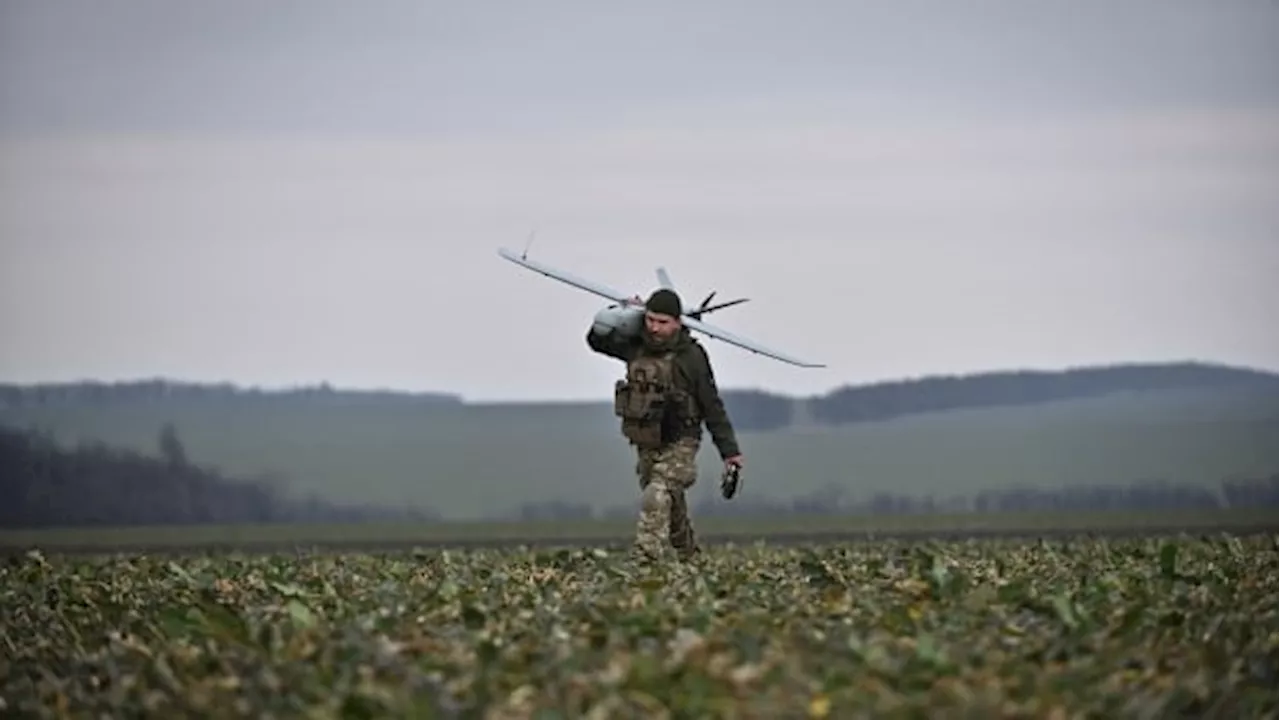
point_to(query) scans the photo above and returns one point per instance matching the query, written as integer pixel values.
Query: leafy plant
(1175, 627)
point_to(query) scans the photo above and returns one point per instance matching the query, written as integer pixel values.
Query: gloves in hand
(730, 480)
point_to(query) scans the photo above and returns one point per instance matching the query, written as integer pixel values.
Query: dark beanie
(665, 302)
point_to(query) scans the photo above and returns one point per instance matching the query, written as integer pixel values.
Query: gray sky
(288, 192)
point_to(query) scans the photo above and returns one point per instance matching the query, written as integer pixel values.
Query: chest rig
(651, 405)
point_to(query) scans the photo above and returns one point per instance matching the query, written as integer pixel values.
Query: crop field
(1175, 626)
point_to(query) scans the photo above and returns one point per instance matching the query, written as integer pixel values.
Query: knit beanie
(664, 302)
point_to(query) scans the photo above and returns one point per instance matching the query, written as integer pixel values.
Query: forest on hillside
(751, 410)
(95, 393)
(43, 484)
(883, 401)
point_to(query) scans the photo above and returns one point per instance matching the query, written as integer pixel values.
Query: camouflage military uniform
(667, 463)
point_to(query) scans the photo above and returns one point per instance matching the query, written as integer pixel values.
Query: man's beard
(656, 342)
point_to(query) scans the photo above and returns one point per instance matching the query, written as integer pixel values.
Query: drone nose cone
(604, 321)
(625, 320)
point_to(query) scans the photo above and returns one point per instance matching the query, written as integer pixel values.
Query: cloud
(427, 68)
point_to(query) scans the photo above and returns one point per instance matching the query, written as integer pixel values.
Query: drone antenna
(528, 243)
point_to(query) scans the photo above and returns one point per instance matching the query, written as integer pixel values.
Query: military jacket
(693, 375)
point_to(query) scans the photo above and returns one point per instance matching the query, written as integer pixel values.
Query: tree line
(97, 393)
(884, 401)
(45, 485)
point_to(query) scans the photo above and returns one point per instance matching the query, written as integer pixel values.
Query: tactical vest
(653, 409)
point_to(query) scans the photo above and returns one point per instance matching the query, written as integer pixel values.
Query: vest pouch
(630, 403)
(642, 402)
(621, 391)
(644, 434)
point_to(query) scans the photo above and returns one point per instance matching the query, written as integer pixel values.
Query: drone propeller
(705, 307)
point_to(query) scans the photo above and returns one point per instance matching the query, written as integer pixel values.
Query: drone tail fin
(664, 280)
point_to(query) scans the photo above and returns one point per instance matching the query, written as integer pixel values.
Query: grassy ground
(1136, 628)
(416, 455)
(605, 532)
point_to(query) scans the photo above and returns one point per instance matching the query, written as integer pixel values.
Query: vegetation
(1077, 628)
(1112, 628)
(158, 390)
(43, 485)
(885, 401)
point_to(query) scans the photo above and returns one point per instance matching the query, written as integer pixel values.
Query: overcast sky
(293, 192)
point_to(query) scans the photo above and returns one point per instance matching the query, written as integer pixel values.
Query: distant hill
(752, 410)
(946, 438)
(887, 400)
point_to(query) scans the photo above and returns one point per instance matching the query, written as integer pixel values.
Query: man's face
(660, 326)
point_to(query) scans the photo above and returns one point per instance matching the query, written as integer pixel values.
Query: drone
(625, 316)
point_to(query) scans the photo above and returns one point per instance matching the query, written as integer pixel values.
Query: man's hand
(635, 300)
(731, 479)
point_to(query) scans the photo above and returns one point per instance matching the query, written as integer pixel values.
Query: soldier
(668, 393)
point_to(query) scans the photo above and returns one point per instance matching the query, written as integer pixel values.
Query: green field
(469, 462)
(597, 532)
(1139, 628)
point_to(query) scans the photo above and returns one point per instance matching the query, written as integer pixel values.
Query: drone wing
(743, 343)
(594, 288)
(609, 293)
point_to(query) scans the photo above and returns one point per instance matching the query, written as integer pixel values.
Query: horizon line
(389, 390)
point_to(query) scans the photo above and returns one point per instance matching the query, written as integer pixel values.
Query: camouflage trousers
(665, 475)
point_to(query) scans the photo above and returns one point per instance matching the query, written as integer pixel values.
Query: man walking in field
(669, 392)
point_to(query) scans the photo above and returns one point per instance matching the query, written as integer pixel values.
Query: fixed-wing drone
(628, 317)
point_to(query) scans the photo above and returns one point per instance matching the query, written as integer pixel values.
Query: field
(1120, 628)
(612, 533)
(415, 455)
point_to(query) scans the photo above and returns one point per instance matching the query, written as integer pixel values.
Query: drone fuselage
(628, 321)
